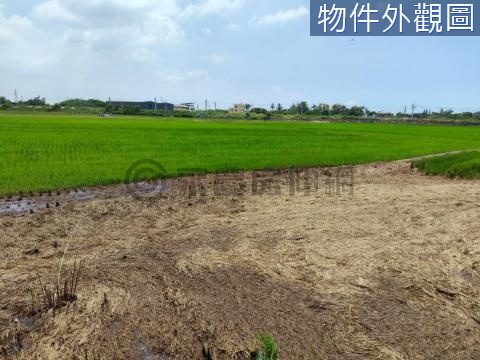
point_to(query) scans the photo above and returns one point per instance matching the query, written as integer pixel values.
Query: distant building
(144, 105)
(185, 107)
(238, 108)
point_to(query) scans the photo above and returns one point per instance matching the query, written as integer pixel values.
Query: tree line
(41, 102)
(276, 110)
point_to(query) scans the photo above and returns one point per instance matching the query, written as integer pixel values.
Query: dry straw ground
(390, 273)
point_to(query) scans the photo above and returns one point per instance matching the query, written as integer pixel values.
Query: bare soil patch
(392, 272)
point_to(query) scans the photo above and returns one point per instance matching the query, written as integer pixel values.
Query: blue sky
(254, 51)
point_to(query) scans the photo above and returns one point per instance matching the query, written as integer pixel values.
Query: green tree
(356, 111)
(83, 103)
(55, 107)
(323, 109)
(259, 110)
(303, 108)
(36, 101)
(338, 109)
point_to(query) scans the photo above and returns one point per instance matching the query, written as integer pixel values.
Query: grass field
(39, 153)
(465, 165)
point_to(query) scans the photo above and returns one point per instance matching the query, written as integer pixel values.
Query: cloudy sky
(256, 51)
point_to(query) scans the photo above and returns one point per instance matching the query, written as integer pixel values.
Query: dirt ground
(390, 272)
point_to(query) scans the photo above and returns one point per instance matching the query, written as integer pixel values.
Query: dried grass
(393, 272)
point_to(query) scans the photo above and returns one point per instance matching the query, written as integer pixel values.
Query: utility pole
(215, 106)
(413, 110)
(16, 97)
(206, 105)
(155, 104)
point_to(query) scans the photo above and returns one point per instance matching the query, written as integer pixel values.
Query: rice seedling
(464, 165)
(268, 348)
(43, 153)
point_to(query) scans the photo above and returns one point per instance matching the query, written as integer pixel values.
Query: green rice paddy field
(39, 153)
(465, 165)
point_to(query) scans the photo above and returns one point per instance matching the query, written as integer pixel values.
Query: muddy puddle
(32, 203)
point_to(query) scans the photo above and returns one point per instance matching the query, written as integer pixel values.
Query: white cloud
(144, 55)
(233, 27)
(160, 29)
(148, 21)
(22, 44)
(131, 30)
(208, 7)
(53, 10)
(282, 16)
(194, 75)
(105, 12)
(218, 58)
